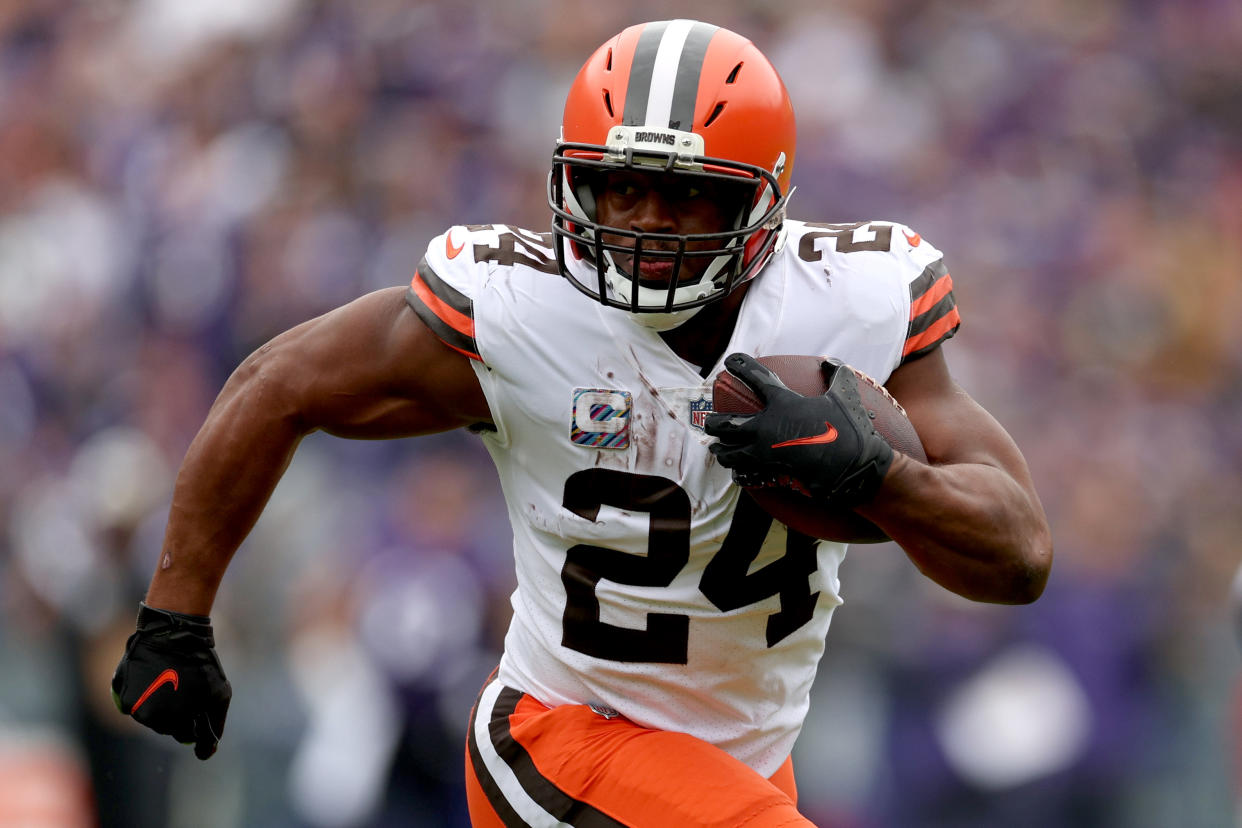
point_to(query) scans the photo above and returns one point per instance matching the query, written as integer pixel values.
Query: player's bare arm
(369, 370)
(971, 520)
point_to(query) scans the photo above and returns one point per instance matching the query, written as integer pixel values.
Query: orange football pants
(528, 764)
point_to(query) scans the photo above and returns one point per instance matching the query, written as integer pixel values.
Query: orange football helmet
(679, 97)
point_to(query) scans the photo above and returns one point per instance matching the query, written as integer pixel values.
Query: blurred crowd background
(180, 180)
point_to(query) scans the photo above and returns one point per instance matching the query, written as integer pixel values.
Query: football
(803, 374)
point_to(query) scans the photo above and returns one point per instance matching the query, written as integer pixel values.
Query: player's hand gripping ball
(809, 439)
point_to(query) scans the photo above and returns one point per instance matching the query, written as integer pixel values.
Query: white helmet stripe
(664, 80)
(664, 74)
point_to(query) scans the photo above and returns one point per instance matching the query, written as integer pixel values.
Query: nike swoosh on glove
(170, 679)
(824, 446)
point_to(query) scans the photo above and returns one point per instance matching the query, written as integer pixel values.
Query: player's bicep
(370, 369)
(951, 425)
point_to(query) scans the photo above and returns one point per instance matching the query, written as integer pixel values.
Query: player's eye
(685, 191)
(623, 186)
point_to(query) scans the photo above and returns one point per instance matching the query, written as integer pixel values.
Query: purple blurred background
(180, 180)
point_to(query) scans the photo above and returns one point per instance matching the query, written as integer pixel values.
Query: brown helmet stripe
(689, 69)
(637, 92)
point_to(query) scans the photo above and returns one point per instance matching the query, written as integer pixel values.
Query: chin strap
(662, 322)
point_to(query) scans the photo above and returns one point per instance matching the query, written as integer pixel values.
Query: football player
(665, 630)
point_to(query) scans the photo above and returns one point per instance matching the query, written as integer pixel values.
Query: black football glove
(171, 681)
(825, 447)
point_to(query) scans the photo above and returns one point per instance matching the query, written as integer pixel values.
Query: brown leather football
(804, 374)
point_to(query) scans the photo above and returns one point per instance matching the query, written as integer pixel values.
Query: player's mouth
(651, 272)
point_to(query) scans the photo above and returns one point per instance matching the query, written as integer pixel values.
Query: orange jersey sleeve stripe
(444, 309)
(463, 351)
(449, 335)
(938, 290)
(942, 329)
(452, 317)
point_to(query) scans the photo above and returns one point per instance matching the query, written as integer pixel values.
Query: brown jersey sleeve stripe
(939, 331)
(930, 275)
(937, 290)
(451, 304)
(934, 313)
(448, 312)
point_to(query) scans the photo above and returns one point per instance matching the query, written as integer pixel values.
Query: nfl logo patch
(601, 418)
(699, 409)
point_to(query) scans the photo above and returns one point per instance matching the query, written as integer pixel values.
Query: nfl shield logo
(699, 409)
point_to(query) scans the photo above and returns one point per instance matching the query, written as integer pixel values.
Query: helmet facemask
(733, 254)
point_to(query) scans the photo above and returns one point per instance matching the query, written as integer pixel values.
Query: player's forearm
(970, 527)
(227, 477)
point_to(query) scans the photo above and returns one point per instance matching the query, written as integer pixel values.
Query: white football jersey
(647, 582)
